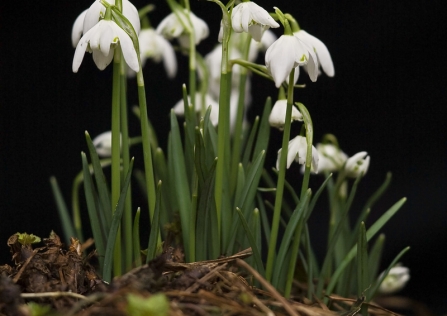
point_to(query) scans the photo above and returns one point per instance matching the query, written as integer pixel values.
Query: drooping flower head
(395, 280)
(157, 48)
(101, 41)
(297, 150)
(323, 55)
(90, 17)
(176, 25)
(332, 158)
(277, 117)
(251, 18)
(357, 164)
(287, 53)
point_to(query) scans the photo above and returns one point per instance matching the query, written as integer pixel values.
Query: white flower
(268, 38)
(156, 47)
(277, 117)
(90, 17)
(76, 31)
(289, 52)
(332, 158)
(103, 144)
(297, 150)
(357, 165)
(396, 279)
(101, 40)
(171, 27)
(324, 58)
(250, 18)
(179, 107)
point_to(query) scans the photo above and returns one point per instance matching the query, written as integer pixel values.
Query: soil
(57, 280)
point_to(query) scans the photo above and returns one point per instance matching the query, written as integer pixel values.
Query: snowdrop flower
(277, 117)
(395, 281)
(90, 17)
(171, 27)
(324, 58)
(332, 158)
(289, 52)
(103, 144)
(250, 18)
(101, 40)
(156, 47)
(357, 164)
(297, 151)
(179, 108)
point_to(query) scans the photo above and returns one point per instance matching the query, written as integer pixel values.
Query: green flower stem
(127, 215)
(237, 139)
(116, 153)
(222, 150)
(281, 180)
(147, 153)
(223, 143)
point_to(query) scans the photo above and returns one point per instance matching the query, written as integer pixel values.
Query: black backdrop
(387, 98)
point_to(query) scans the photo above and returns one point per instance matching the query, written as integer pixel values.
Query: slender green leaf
(155, 227)
(64, 214)
(374, 258)
(101, 183)
(262, 139)
(116, 220)
(362, 262)
(252, 241)
(92, 211)
(316, 196)
(247, 196)
(296, 217)
(136, 239)
(370, 202)
(250, 142)
(181, 184)
(206, 220)
(264, 219)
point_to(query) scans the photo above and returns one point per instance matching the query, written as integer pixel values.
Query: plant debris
(61, 281)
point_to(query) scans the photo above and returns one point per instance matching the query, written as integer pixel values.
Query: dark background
(387, 98)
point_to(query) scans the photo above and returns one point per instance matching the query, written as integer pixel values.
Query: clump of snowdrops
(212, 177)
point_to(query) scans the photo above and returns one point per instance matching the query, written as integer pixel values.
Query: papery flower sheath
(90, 17)
(251, 18)
(101, 41)
(156, 47)
(323, 55)
(332, 158)
(286, 53)
(395, 281)
(172, 27)
(297, 150)
(357, 164)
(277, 117)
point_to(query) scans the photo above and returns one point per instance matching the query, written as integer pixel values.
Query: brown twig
(268, 286)
(19, 274)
